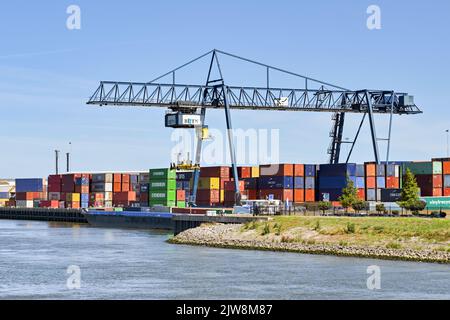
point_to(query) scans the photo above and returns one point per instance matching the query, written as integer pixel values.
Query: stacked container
(29, 192)
(144, 179)
(183, 188)
(371, 181)
(446, 177)
(299, 183)
(429, 177)
(310, 182)
(277, 182)
(333, 178)
(162, 187)
(211, 187)
(102, 190)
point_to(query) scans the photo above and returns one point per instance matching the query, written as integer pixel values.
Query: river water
(125, 264)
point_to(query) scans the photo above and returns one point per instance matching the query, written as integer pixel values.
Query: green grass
(367, 230)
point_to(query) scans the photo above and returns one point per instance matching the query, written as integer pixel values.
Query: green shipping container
(163, 185)
(437, 167)
(419, 167)
(437, 203)
(168, 203)
(162, 174)
(181, 204)
(162, 195)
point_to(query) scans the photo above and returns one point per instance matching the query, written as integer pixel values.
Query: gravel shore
(229, 236)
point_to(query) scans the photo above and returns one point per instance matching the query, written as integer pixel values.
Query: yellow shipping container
(222, 195)
(255, 172)
(209, 183)
(73, 197)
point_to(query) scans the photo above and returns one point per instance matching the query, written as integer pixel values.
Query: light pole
(448, 146)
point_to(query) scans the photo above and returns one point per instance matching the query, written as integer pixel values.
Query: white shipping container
(397, 171)
(24, 204)
(108, 204)
(108, 187)
(108, 196)
(54, 196)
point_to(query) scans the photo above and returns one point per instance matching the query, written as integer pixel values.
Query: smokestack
(68, 161)
(57, 160)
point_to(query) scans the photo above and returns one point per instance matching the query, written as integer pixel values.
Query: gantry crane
(188, 103)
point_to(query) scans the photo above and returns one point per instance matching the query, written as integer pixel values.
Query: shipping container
(272, 170)
(446, 167)
(102, 177)
(251, 183)
(162, 195)
(30, 185)
(102, 187)
(299, 170)
(209, 183)
(244, 172)
(310, 195)
(184, 176)
(310, 170)
(360, 170)
(419, 168)
(371, 182)
(381, 182)
(391, 195)
(371, 170)
(335, 170)
(163, 185)
(299, 182)
(210, 172)
(144, 177)
(371, 195)
(381, 170)
(276, 182)
(278, 194)
(447, 181)
(299, 195)
(255, 172)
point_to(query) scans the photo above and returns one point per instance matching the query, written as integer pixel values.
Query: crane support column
(198, 155)
(372, 128)
(237, 197)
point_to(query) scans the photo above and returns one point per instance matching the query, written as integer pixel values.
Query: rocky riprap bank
(227, 236)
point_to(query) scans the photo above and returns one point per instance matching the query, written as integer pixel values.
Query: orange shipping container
(299, 170)
(252, 194)
(181, 195)
(371, 170)
(286, 170)
(278, 194)
(244, 172)
(392, 183)
(299, 195)
(117, 187)
(446, 167)
(362, 194)
(125, 178)
(125, 187)
(447, 192)
(310, 195)
(117, 178)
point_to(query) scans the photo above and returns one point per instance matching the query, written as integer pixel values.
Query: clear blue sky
(47, 73)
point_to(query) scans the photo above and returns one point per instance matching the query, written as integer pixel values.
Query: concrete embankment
(230, 236)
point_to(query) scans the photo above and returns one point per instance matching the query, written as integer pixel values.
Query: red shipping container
(446, 167)
(299, 170)
(181, 195)
(54, 183)
(252, 194)
(81, 189)
(437, 181)
(211, 172)
(362, 194)
(310, 195)
(73, 205)
(437, 192)
(49, 204)
(278, 194)
(230, 186)
(124, 196)
(371, 182)
(117, 178)
(223, 181)
(286, 170)
(392, 183)
(447, 192)
(244, 172)
(299, 195)
(208, 196)
(28, 196)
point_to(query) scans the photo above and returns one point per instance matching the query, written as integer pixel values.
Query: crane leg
(198, 154)
(372, 128)
(237, 197)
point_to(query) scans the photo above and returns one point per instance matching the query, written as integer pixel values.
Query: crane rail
(247, 98)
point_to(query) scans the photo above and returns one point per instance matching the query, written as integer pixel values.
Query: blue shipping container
(381, 183)
(390, 170)
(276, 182)
(360, 170)
(4, 195)
(371, 195)
(185, 175)
(310, 170)
(328, 182)
(299, 183)
(381, 170)
(29, 185)
(360, 182)
(336, 170)
(251, 183)
(310, 183)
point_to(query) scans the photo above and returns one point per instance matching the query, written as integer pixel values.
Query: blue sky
(47, 73)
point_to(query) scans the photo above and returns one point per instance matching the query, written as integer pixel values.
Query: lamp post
(448, 146)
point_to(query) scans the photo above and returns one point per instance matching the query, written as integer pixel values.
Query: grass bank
(415, 239)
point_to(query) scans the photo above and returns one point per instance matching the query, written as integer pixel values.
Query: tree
(358, 205)
(324, 206)
(349, 195)
(410, 199)
(380, 208)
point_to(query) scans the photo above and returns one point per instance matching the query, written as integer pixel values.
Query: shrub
(317, 226)
(324, 206)
(277, 228)
(266, 229)
(380, 208)
(359, 205)
(395, 212)
(350, 228)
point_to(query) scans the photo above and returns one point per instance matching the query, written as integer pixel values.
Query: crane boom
(250, 98)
